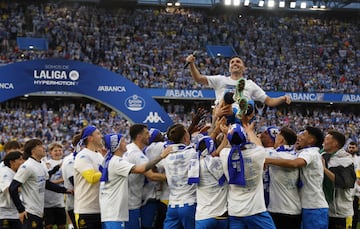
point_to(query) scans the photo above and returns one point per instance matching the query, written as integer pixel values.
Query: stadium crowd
(282, 52)
(21, 120)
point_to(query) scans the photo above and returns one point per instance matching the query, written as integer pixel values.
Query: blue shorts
(113, 225)
(258, 221)
(180, 217)
(315, 218)
(134, 219)
(212, 223)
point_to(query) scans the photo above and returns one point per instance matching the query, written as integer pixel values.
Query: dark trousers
(33, 222)
(285, 221)
(89, 221)
(356, 212)
(337, 223)
(10, 224)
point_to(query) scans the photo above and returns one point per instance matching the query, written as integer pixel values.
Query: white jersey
(114, 193)
(135, 156)
(32, 175)
(67, 171)
(284, 192)
(356, 189)
(223, 84)
(211, 197)
(86, 195)
(247, 200)
(312, 175)
(153, 189)
(176, 166)
(341, 204)
(7, 206)
(53, 199)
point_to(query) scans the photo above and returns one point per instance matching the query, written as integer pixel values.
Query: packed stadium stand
(292, 52)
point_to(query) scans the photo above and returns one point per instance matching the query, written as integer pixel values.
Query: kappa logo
(153, 117)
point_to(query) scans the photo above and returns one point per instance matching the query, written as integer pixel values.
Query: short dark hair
(352, 143)
(289, 135)
(339, 137)
(12, 145)
(317, 134)
(176, 132)
(29, 145)
(136, 129)
(12, 156)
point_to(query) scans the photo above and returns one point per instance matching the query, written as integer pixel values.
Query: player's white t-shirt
(114, 193)
(86, 195)
(53, 199)
(33, 175)
(284, 192)
(67, 171)
(135, 156)
(176, 166)
(153, 189)
(312, 175)
(223, 84)
(211, 197)
(249, 199)
(7, 206)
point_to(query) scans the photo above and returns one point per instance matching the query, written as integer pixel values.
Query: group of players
(220, 176)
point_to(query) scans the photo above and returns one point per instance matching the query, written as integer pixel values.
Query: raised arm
(273, 102)
(196, 75)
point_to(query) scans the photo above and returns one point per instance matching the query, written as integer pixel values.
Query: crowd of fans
(283, 52)
(23, 120)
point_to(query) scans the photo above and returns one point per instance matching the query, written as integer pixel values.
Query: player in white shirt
(139, 135)
(243, 166)
(223, 84)
(9, 217)
(353, 149)
(87, 179)
(67, 171)
(313, 203)
(211, 191)
(284, 202)
(114, 181)
(182, 199)
(32, 177)
(339, 179)
(54, 211)
(153, 211)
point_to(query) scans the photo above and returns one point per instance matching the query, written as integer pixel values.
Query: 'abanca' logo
(135, 103)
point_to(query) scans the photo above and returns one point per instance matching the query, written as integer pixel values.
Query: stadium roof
(330, 4)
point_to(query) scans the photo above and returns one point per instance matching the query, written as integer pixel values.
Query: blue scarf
(104, 169)
(236, 166)
(112, 143)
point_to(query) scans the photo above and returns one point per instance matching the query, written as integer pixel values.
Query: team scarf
(236, 168)
(112, 143)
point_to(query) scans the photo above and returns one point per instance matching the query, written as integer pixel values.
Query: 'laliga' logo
(74, 75)
(135, 103)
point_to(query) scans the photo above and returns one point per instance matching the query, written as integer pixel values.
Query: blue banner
(63, 76)
(209, 94)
